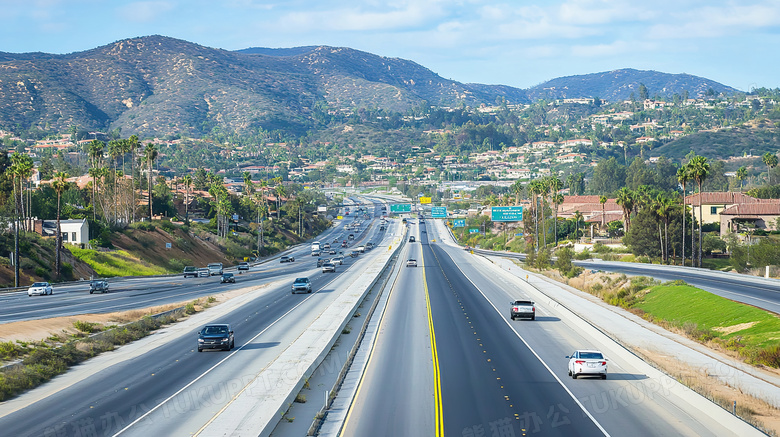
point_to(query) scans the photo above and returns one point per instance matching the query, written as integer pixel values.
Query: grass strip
(116, 263)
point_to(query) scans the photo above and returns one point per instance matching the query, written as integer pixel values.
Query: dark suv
(216, 336)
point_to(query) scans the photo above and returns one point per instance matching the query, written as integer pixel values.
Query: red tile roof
(753, 209)
(720, 198)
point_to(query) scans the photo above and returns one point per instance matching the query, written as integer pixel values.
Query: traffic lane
(138, 293)
(625, 402)
(491, 382)
(764, 296)
(202, 398)
(124, 392)
(395, 397)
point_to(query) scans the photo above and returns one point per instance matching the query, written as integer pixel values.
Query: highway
(161, 385)
(752, 290)
(134, 293)
(495, 376)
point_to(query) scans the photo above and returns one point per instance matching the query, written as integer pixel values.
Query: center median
(257, 408)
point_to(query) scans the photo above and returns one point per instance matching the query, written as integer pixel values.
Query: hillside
(617, 85)
(722, 144)
(156, 85)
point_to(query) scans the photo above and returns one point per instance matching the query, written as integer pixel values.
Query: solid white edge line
(533, 351)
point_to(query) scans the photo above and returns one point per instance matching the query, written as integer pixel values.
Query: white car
(40, 289)
(587, 362)
(337, 260)
(411, 262)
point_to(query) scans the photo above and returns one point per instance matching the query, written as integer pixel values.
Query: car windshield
(212, 330)
(227, 275)
(40, 284)
(302, 280)
(591, 356)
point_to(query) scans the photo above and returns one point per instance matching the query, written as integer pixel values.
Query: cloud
(371, 17)
(719, 20)
(144, 12)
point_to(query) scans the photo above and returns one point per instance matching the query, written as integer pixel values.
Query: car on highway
(423, 231)
(329, 268)
(522, 309)
(337, 260)
(215, 269)
(344, 243)
(332, 252)
(216, 336)
(411, 239)
(326, 246)
(243, 266)
(354, 254)
(203, 272)
(227, 277)
(40, 289)
(286, 259)
(315, 253)
(301, 284)
(369, 245)
(351, 237)
(321, 261)
(587, 362)
(98, 286)
(190, 271)
(411, 262)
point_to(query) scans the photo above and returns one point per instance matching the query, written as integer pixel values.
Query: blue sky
(514, 42)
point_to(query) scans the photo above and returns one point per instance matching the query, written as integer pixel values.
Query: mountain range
(156, 85)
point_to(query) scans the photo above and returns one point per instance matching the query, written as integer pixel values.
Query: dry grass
(754, 411)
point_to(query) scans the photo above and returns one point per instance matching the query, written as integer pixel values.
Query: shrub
(66, 270)
(86, 327)
(43, 273)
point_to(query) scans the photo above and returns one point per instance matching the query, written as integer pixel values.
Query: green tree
(683, 176)
(60, 185)
(770, 159)
(95, 151)
(741, 175)
(626, 199)
(699, 169)
(150, 155)
(608, 177)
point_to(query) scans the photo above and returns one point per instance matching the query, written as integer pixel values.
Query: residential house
(73, 231)
(713, 203)
(764, 215)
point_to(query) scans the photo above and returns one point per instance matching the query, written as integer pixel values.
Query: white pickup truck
(522, 309)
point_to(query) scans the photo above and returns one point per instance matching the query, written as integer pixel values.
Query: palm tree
(700, 169)
(150, 154)
(517, 188)
(663, 207)
(741, 176)
(683, 176)
(22, 167)
(577, 218)
(280, 192)
(626, 199)
(60, 185)
(115, 150)
(132, 146)
(557, 199)
(186, 180)
(770, 159)
(536, 190)
(95, 152)
(603, 201)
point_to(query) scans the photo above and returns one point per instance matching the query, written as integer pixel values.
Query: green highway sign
(401, 207)
(506, 213)
(439, 212)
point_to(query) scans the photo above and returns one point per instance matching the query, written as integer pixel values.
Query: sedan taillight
(579, 362)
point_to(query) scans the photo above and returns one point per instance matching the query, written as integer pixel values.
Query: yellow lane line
(438, 410)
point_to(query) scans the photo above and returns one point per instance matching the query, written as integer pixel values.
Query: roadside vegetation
(30, 364)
